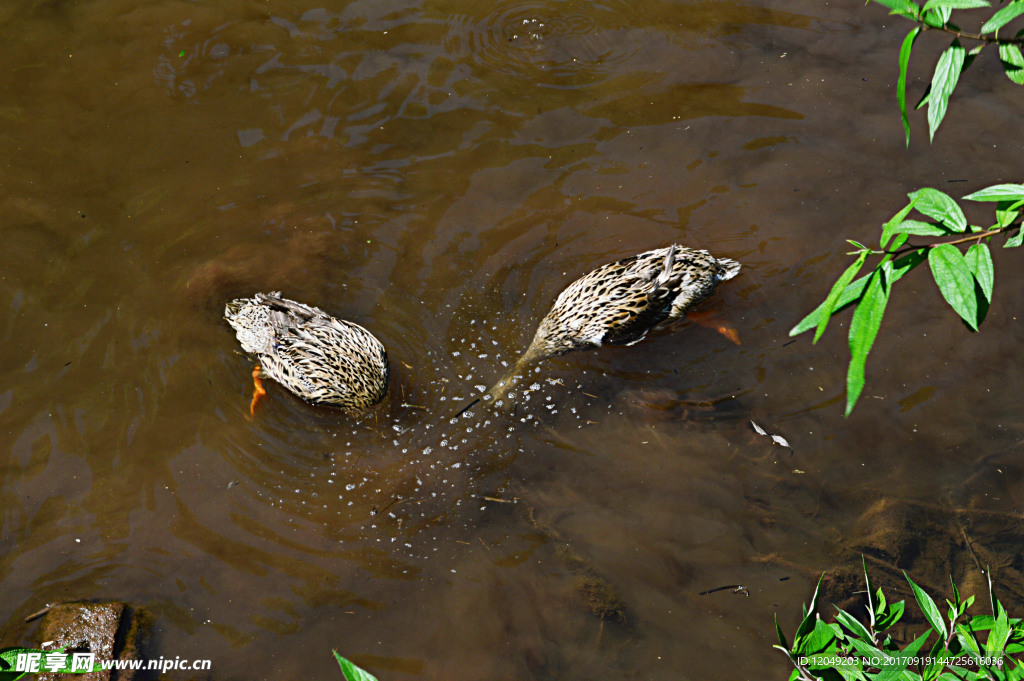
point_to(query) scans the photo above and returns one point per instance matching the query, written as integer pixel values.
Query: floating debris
(777, 439)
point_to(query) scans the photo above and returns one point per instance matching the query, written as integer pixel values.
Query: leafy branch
(936, 15)
(964, 278)
(854, 651)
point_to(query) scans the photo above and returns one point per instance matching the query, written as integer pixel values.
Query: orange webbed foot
(707, 319)
(258, 390)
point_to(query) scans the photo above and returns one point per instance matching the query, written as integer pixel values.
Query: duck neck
(499, 389)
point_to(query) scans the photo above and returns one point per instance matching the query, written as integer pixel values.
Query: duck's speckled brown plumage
(319, 358)
(620, 302)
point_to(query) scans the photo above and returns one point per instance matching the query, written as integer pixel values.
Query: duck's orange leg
(708, 319)
(258, 390)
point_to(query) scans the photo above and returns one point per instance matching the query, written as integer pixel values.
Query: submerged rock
(110, 630)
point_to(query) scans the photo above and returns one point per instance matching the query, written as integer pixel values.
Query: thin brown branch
(980, 37)
(977, 237)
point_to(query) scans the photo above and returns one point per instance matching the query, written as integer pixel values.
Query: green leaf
(940, 206)
(900, 6)
(998, 192)
(1015, 240)
(818, 640)
(892, 616)
(867, 586)
(928, 607)
(901, 266)
(8, 662)
(810, 617)
(869, 651)
(1013, 62)
(853, 624)
(894, 671)
(997, 607)
(901, 83)
(782, 637)
(851, 673)
(936, 18)
(982, 622)
(919, 228)
(998, 637)
(1003, 17)
(966, 638)
(867, 319)
(979, 261)
(955, 4)
(1007, 212)
(352, 672)
(890, 227)
(947, 73)
(936, 660)
(837, 290)
(955, 281)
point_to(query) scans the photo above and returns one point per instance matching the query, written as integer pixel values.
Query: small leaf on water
(940, 206)
(776, 439)
(955, 281)
(944, 80)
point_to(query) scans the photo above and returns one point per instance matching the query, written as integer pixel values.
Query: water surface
(437, 172)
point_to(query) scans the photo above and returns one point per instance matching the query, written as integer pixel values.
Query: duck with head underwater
(321, 359)
(619, 303)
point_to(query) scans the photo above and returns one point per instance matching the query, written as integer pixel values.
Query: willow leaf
(867, 319)
(1013, 62)
(940, 206)
(1003, 17)
(947, 73)
(955, 4)
(837, 290)
(901, 84)
(955, 281)
(998, 192)
(900, 267)
(979, 261)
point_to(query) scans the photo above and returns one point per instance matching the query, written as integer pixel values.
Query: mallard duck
(620, 302)
(321, 359)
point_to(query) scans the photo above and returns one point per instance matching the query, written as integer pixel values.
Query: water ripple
(554, 44)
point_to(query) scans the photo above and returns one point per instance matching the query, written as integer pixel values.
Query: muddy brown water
(437, 172)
